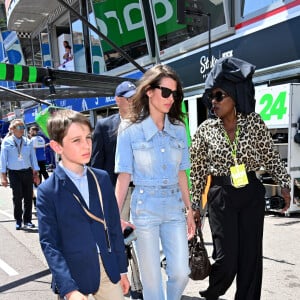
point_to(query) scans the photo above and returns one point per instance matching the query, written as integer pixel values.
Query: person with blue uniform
(39, 145)
(152, 150)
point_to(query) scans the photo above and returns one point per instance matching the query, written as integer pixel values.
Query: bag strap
(91, 215)
(198, 234)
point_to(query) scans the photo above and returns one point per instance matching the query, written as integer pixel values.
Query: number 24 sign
(272, 103)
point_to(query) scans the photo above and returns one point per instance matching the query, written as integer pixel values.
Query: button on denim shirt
(152, 157)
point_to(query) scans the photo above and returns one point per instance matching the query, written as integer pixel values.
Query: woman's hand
(191, 226)
(287, 199)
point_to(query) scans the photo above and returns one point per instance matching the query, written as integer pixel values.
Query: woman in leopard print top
(236, 137)
(211, 154)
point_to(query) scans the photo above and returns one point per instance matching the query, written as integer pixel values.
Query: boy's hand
(124, 224)
(75, 295)
(125, 285)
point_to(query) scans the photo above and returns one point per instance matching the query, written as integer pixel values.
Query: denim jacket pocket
(143, 153)
(176, 147)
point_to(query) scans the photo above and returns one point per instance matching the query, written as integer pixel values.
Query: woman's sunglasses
(218, 96)
(166, 92)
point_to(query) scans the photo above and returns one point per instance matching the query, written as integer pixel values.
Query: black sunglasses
(218, 96)
(166, 92)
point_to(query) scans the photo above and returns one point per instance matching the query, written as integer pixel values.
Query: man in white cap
(103, 157)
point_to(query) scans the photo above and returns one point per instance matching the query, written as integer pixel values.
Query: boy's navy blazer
(69, 238)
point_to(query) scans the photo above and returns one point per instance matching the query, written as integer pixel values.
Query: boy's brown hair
(59, 123)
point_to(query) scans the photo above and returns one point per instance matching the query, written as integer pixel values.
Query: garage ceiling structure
(29, 15)
(32, 15)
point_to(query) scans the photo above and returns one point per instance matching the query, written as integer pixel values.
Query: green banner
(188, 134)
(121, 21)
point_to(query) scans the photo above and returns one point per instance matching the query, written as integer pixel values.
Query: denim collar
(150, 129)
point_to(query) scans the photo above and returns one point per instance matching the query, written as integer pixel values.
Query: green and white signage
(273, 104)
(122, 22)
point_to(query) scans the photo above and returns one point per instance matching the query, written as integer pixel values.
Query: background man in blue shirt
(18, 159)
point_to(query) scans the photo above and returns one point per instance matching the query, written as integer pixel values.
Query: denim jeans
(158, 214)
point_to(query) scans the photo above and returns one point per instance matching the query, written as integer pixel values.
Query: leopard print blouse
(211, 152)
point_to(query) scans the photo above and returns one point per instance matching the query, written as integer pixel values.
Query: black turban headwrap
(234, 76)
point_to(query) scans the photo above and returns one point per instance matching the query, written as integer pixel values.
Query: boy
(79, 222)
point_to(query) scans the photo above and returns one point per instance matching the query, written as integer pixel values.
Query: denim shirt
(151, 156)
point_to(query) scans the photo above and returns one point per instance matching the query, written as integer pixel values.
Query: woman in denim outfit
(152, 151)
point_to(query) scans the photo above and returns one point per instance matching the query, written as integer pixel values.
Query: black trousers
(236, 218)
(21, 183)
(43, 170)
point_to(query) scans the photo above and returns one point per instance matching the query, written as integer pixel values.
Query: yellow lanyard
(234, 143)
